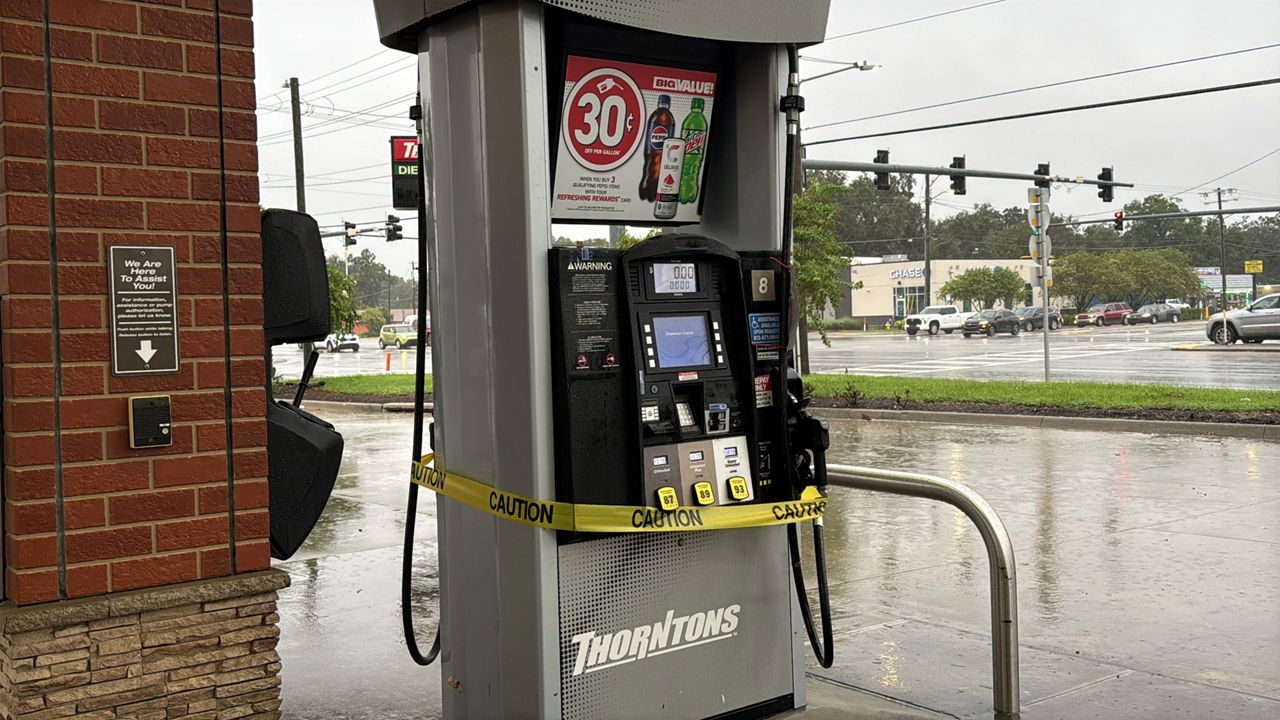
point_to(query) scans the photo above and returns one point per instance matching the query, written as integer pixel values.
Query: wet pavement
(1148, 567)
(1120, 354)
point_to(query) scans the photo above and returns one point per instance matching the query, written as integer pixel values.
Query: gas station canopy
(802, 22)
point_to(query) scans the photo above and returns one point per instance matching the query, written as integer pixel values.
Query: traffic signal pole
(884, 168)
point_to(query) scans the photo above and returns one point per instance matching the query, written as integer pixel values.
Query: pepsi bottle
(660, 127)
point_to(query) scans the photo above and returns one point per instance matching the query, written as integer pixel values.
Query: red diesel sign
(404, 149)
(406, 184)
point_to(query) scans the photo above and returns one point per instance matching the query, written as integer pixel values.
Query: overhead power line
(1059, 83)
(1055, 111)
(913, 20)
(1233, 172)
(334, 72)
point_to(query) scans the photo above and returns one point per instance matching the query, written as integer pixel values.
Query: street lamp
(864, 66)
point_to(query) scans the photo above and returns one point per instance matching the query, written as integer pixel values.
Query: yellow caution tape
(554, 515)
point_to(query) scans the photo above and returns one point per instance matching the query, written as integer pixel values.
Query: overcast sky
(1166, 146)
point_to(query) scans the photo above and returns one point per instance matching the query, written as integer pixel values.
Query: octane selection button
(667, 499)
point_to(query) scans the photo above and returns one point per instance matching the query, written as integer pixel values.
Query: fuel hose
(419, 409)
(824, 651)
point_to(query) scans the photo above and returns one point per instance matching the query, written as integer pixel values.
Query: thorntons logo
(691, 87)
(582, 265)
(598, 652)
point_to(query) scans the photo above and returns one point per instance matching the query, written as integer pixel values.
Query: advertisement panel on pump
(632, 142)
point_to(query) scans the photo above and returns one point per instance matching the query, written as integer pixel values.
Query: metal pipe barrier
(1004, 581)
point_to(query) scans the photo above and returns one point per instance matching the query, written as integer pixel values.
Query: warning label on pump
(764, 391)
(553, 515)
(766, 328)
(632, 142)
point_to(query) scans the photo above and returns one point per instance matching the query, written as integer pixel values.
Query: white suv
(934, 318)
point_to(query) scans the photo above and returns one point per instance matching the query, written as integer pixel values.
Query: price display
(672, 278)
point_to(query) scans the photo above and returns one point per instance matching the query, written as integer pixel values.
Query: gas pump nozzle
(810, 437)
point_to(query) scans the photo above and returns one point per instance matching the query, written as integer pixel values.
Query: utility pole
(1209, 197)
(388, 291)
(928, 201)
(413, 283)
(298, 182)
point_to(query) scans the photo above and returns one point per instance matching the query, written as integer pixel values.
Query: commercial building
(892, 287)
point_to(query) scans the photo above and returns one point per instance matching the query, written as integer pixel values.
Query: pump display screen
(682, 341)
(670, 278)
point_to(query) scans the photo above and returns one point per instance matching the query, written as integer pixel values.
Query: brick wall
(135, 138)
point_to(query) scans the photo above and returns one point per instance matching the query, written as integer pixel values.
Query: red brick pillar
(145, 151)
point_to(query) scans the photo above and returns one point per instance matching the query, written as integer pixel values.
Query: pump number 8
(603, 120)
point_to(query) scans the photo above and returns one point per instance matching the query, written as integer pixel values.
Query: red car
(1104, 315)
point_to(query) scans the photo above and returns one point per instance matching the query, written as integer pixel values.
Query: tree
(342, 307)
(819, 258)
(373, 319)
(984, 286)
(1083, 278)
(1143, 276)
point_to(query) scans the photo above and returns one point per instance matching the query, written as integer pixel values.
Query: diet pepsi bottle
(668, 199)
(660, 127)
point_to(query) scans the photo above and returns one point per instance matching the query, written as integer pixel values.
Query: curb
(390, 407)
(1060, 422)
(1209, 347)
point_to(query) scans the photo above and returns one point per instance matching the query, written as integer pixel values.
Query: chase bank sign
(904, 273)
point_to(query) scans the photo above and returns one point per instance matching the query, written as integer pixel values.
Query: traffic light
(882, 178)
(350, 227)
(957, 181)
(1043, 169)
(1107, 192)
(393, 228)
(1119, 216)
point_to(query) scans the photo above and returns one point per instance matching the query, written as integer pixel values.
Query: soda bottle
(660, 126)
(669, 180)
(694, 133)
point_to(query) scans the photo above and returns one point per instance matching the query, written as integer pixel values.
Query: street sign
(406, 184)
(144, 310)
(1252, 267)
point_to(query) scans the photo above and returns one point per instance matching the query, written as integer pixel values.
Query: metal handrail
(1004, 581)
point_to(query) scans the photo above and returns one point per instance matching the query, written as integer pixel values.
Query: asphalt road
(1142, 354)
(369, 360)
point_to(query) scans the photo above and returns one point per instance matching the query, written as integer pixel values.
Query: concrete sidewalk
(1149, 571)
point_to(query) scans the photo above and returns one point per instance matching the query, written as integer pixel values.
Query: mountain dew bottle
(694, 133)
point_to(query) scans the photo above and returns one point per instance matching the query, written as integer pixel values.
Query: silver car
(1253, 324)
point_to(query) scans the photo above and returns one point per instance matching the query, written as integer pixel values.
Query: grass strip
(390, 385)
(850, 389)
(1079, 395)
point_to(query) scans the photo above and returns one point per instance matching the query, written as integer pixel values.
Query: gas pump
(623, 452)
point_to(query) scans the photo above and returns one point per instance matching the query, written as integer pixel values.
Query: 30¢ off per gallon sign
(633, 140)
(144, 310)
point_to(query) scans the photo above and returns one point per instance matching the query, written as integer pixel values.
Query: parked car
(1253, 324)
(1177, 303)
(342, 341)
(934, 318)
(1154, 313)
(990, 322)
(1103, 315)
(1033, 318)
(398, 336)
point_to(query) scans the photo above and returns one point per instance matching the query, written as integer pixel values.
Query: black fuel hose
(419, 416)
(824, 652)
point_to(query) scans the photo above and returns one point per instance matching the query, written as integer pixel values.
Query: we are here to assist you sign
(144, 310)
